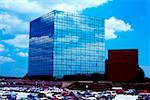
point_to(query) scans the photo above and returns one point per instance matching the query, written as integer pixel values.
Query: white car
(89, 98)
(58, 96)
(112, 93)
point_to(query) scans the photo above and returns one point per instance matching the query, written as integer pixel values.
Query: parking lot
(54, 93)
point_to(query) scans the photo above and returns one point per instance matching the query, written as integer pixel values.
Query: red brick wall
(122, 65)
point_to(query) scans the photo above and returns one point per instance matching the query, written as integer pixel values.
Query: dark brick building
(122, 66)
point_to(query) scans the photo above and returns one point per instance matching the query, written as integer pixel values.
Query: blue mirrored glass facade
(64, 43)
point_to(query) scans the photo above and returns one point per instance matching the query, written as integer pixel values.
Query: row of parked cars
(54, 93)
(61, 95)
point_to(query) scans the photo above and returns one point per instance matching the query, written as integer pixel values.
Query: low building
(122, 66)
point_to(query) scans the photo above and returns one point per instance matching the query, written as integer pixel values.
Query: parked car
(10, 95)
(59, 97)
(112, 93)
(120, 91)
(130, 91)
(106, 95)
(141, 97)
(41, 95)
(88, 98)
(32, 96)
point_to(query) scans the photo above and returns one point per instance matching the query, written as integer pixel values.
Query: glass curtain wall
(78, 44)
(64, 43)
(41, 46)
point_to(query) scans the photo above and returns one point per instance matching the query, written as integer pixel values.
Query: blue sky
(126, 26)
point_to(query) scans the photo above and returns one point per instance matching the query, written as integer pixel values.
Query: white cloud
(2, 48)
(6, 59)
(12, 24)
(20, 41)
(40, 40)
(22, 6)
(68, 38)
(23, 54)
(40, 7)
(77, 5)
(113, 25)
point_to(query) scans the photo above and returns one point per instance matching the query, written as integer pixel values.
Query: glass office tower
(63, 43)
